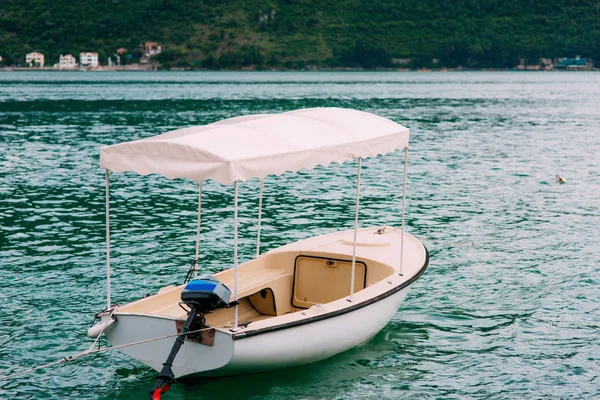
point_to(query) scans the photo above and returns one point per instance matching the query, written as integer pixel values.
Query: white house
(35, 59)
(66, 62)
(88, 59)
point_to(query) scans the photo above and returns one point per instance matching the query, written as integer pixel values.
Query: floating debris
(560, 179)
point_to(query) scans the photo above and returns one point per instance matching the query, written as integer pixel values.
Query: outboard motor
(203, 295)
(206, 293)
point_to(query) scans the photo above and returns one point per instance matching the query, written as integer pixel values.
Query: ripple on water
(508, 309)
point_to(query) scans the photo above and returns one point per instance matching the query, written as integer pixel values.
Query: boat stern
(157, 335)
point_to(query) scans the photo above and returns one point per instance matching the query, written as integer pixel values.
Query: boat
(292, 305)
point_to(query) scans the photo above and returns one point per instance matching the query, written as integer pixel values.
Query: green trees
(297, 33)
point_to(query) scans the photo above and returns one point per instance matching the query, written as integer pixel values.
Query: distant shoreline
(134, 67)
(153, 68)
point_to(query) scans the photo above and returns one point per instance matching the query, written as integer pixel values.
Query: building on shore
(35, 59)
(574, 64)
(66, 62)
(121, 51)
(114, 60)
(150, 49)
(88, 59)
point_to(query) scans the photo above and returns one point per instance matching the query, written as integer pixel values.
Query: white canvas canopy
(254, 146)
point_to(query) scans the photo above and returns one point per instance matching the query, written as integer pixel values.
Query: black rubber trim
(321, 258)
(243, 335)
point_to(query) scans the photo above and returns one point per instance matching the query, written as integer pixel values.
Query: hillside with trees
(298, 33)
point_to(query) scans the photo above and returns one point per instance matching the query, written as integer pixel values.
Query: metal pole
(403, 209)
(355, 233)
(235, 252)
(198, 230)
(107, 240)
(259, 218)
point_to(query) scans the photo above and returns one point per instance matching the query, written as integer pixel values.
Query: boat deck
(300, 275)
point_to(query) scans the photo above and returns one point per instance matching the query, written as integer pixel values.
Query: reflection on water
(509, 306)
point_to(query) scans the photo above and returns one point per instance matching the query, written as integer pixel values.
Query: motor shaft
(166, 375)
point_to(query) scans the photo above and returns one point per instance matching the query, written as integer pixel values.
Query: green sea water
(509, 307)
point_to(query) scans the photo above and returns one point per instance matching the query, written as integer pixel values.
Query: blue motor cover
(206, 293)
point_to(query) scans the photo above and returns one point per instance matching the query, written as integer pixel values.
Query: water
(508, 309)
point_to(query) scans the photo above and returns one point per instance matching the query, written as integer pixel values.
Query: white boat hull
(313, 341)
(293, 346)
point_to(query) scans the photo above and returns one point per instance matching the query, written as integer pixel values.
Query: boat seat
(269, 292)
(261, 296)
(252, 283)
(276, 284)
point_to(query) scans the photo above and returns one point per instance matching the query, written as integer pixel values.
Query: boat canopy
(254, 146)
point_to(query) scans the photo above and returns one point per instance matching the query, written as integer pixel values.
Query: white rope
(235, 252)
(101, 350)
(198, 231)
(260, 199)
(62, 360)
(355, 233)
(107, 241)
(403, 209)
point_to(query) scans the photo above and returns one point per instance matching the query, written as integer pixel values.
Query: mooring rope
(90, 351)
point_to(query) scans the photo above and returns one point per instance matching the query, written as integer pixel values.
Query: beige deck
(300, 275)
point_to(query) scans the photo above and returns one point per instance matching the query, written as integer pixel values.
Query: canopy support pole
(235, 253)
(403, 210)
(351, 298)
(198, 230)
(260, 199)
(107, 240)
